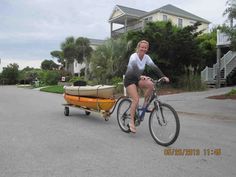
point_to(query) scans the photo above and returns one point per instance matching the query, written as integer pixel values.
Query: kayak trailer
(104, 106)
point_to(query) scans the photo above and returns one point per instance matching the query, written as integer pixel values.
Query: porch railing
(222, 38)
(122, 30)
(227, 63)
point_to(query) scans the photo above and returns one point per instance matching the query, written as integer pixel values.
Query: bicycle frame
(153, 97)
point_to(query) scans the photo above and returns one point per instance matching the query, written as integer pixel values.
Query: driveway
(37, 140)
(197, 103)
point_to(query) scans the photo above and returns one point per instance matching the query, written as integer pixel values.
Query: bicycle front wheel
(123, 114)
(164, 124)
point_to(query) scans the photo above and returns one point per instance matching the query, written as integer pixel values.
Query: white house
(124, 18)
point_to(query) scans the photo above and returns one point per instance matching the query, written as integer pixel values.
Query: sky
(31, 29)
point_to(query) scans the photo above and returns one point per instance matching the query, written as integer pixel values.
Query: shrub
(76, 78)
(191, 82)
(116, 80)
(52, 77)
(49, 77)
(232, 92)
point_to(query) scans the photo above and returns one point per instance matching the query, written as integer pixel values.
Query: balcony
(134, 27)
(222, 39)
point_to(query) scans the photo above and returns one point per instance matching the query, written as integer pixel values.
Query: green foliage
(53, 89)
(49, 77)
(230, 11)
(75, 78)
(207, 45)
(74, 49)
(10, 74)
(59, 55)
(52, 77)
(49, 65)
(231, 93)
(117, 80)
(27, 75)
(109, 60)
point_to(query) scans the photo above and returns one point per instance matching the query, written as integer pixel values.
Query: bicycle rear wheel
(123, 114)
(164, 124)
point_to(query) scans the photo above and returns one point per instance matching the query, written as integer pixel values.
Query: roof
(132, 11)
(96, 41)
(170, 9)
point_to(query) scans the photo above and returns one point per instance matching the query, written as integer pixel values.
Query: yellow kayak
(90, 103)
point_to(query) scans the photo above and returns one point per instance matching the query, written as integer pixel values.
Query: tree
(83, 51)
(48, 65)
(69, 51)
(74, 49)
(10, 74)
(207, 45)
(109, 60)
(230, 11)
(59, 55)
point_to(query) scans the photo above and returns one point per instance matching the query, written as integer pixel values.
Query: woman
(134, 78)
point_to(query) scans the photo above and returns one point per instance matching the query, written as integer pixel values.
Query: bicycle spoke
(123, 114)
(164, 125)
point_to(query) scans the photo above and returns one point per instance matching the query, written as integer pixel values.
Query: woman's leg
(146, 84)
(133, 93)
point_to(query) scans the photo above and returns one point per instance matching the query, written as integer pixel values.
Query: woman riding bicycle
(134, 78)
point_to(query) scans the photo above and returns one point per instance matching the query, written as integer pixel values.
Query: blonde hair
(140, 42)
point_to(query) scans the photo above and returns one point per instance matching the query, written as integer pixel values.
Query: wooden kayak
(99, 91)
(90, 103)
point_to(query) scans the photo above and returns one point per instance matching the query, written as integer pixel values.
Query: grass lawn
(230, 95)
(53, 89)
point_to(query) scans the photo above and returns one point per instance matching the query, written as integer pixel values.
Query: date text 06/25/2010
(192, 152)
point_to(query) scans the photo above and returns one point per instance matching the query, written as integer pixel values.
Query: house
(124, 18)
(75, 68)
(225, 65)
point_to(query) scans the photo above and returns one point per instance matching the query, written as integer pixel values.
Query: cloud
(31, 29)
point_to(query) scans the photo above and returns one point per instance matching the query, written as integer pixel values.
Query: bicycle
(163, 123)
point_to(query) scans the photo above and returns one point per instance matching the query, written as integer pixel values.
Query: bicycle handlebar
(159, 81)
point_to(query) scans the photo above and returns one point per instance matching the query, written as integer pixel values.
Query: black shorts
(129, 81)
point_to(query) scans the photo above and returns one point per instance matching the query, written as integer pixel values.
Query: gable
(120, 11)
(117, 12)
(172, 10)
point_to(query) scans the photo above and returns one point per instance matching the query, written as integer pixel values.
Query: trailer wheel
(66, 111)
(87, 113)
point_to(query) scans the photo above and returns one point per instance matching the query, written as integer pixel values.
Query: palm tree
(69, 51)
(230, 11)
(109, 60)
(83, 52)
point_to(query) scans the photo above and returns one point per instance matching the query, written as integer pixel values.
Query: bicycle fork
(159, 114)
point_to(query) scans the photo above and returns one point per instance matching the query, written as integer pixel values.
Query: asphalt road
(37, 140)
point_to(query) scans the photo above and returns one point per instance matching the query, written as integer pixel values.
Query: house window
(148, 19)
(164, 17)
(180, 22)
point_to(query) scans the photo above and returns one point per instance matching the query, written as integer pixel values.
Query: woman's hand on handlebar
(164, 79)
